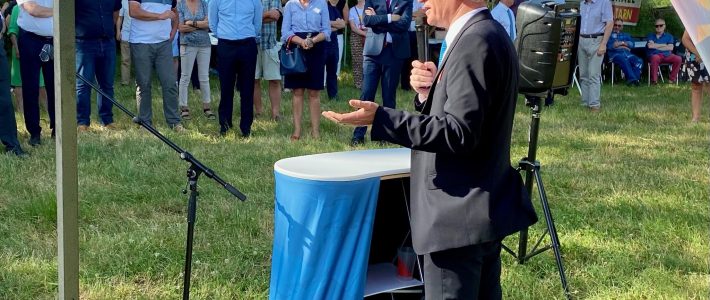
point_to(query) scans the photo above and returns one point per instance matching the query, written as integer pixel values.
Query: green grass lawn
(628, 189)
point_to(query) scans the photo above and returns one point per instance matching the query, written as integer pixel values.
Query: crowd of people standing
(151, 34)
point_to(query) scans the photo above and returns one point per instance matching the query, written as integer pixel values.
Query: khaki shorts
(268, 64)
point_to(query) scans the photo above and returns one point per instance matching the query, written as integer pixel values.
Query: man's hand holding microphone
(422, 78)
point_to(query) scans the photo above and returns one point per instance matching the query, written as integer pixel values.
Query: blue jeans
(630, 64)
(331, 67)
(95, 59)
(385, 67)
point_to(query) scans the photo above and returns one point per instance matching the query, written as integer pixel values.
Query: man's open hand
(361, 117)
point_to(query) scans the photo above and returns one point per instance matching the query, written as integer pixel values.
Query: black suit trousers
(237, 64)
(8, 125)
(466, 273)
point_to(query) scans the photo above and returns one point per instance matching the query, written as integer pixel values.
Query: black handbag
(292, 59)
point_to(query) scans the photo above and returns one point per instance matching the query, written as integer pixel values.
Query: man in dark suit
(386, 47)
(466, 197)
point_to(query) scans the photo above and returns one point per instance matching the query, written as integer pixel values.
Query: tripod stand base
(533, 172)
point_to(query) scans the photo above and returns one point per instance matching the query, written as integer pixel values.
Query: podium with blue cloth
(339, 219)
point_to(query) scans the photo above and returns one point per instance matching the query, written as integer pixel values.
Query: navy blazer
(463, 188)
(379, 26)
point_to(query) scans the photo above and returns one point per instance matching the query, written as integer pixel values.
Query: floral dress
(697, 72)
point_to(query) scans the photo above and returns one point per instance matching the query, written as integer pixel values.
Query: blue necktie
(511, 32)
(441, 53)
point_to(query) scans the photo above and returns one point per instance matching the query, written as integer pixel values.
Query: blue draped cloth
(322, 232)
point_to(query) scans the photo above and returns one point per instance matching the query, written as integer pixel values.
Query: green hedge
(652, 9)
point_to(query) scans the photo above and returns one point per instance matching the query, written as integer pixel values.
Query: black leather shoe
(18, 151)
(35, 141)
(223, 130)
(357, 141)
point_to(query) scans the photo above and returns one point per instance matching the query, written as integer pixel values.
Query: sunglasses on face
(660, 25)
(617, 25)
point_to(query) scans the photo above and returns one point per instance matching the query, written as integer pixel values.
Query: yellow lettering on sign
(623, 13)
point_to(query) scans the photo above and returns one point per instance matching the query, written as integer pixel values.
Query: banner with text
(695, 15)
(627, 10)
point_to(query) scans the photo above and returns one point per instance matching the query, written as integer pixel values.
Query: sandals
(185, 114)
(209, 114)
(295, 138)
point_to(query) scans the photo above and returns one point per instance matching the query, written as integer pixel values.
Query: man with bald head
(465, 196)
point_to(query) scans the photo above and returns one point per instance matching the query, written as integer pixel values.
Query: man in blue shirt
(237, 26)
(95, 57)
(597, 22)
(660, 44)
(504, 15)
(619, 52)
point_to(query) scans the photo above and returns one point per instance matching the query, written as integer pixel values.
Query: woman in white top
(357, 40)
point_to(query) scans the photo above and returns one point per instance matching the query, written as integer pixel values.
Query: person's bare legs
(314, 107)
(258, 107)
(696, 97)
(43, 98)
(297, 113)
(275, 98)
(18, 99)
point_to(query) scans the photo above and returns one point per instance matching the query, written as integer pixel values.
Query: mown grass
(628, 189)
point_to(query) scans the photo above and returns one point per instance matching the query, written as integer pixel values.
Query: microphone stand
(193, 174)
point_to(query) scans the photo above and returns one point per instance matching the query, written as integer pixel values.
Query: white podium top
(346, 166)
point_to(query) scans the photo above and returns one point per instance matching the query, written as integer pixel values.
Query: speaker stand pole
(532, 172)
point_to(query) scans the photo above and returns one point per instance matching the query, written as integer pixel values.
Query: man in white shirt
(35, 43)
(153, 28)
(504, 15)
(597, 19)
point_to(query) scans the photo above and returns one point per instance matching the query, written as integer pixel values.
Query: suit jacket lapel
(480, 16)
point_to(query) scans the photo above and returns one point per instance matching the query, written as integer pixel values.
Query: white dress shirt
(38, 26)
(457, 26)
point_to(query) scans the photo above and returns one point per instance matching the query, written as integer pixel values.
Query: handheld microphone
(422, 39)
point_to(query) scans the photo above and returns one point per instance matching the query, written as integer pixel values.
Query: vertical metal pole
(534, 102)
(193, 174)
(66, 145)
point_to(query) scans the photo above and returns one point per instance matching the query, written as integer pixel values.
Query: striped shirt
(268, 30)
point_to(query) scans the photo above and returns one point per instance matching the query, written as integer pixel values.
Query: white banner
(695, 15)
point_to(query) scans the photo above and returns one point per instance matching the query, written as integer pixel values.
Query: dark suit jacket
(399, 30)
(463, 188)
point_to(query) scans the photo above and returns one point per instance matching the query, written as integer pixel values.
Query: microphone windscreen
(422, 39)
